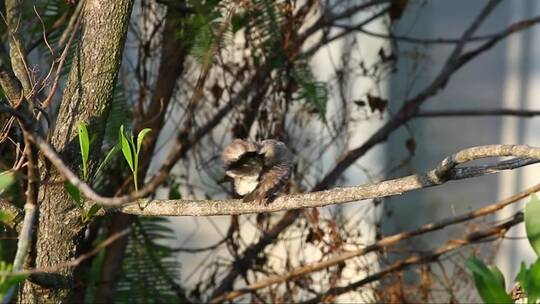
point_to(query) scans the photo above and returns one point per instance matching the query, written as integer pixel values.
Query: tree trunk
(171, 66)
(87, 98)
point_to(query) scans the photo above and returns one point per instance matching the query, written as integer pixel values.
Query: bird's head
(274, 152)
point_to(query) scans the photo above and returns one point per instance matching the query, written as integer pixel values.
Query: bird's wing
(271, 181)
(249, 163)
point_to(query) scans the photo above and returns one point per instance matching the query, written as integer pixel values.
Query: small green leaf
(6, 282)
(92, 211)
(533, 282)
(111, 152)
(126, 149)
(74, 193)
(6, 217)
(140, 138)
(523, 276)
(532, 223)
(84, 143)
(174, 194)
(488, 283)
(6, 179)
(174, 188)
(497, 275)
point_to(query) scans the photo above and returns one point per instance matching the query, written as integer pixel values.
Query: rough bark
(87, 98)
(173, 54)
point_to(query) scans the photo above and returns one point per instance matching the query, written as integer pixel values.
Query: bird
(243, 165)
(260, 170)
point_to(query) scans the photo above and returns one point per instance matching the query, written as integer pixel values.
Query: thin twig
(477, 112)
(62, 59)
(73, 263)
(201, 249)
(30, 211)
(23, 244)
(326, 40)
(71, 27)
(328, 17)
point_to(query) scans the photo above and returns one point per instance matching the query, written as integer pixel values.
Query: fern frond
(265, 26)
(314, 93)
(211, 29)
(150, 266)
(117, 116)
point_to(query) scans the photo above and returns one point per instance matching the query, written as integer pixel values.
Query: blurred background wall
(504, 77)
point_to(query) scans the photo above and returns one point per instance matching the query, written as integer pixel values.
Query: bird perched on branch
(259, 170)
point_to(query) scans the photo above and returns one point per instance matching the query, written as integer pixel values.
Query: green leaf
(532, 223)
(6, 179)
(174, 188)
(533, 282)
(497, 275)
(174, 194)
(126, 148)
(6, 217)
(74, 193)
(140, 138)
(488, 282)
(84, 143)
(6, 282)
(523, 276)
(91, 212)
(111, 152)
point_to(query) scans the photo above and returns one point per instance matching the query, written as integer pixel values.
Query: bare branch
(30, 211)
(326, 40)
(433, 255)
(382, 243)
(25, 238)
(444, 172)
(412, 106)
(72, 263)
(477, 112)
(328, 17)
(71, 27)
(74, 25)
(417, 40)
